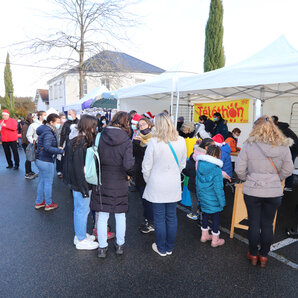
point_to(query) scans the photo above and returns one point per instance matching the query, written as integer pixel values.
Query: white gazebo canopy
(272, 72)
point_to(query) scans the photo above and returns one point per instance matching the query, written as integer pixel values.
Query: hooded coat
(116, 163)
(210, 184)
(254, 167)
(47, 145)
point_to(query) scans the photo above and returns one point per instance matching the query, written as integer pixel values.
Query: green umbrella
(105, 104)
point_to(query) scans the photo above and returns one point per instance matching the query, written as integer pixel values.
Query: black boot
(119, 249)
(102, 252)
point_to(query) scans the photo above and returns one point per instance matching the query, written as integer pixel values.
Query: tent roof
(272, 72)
(158, 87)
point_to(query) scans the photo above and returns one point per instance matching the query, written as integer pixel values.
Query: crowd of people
(155, 156)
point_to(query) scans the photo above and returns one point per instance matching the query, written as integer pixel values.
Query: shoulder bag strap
(97, 139)
(270, 159)
(174, 153)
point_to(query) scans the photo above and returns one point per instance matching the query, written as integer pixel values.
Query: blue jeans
(215, 221)
(165, 225)
(46, 176)
(80, 214)
(102, 223)
(147, 206)
(261, 212)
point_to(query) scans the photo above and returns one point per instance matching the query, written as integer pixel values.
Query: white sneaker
(86, 244)
(88, 237)
(154, 247)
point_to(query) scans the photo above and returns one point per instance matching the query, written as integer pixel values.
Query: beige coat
(256, 170)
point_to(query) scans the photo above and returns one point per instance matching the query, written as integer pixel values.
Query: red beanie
(5, 112)
(218, 139)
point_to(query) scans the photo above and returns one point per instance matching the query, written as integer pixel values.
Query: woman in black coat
(80, 139)
(140, 143)
(116, 164)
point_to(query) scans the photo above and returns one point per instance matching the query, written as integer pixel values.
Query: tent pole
(177, 107)
(172, 96)
(262, 92)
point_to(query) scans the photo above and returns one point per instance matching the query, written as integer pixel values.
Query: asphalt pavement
(38, 258)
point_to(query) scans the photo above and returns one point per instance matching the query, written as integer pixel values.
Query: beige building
(111, 69)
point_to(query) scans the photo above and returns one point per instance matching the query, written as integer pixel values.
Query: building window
(106, 83)
(85, 87)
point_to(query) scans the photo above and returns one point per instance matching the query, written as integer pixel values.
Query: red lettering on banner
(225, 111)
(200, 110)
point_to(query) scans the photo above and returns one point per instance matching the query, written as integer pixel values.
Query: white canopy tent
(153, 95)
(271, 73)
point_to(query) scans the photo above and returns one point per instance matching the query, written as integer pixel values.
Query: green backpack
(92, 164)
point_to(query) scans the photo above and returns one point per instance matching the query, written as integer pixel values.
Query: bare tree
(88, 28)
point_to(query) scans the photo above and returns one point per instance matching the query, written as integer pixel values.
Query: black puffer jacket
(73, 167)
(138, 153)
(66, 130)
(190, 171)
(116, 163)
(284, 127)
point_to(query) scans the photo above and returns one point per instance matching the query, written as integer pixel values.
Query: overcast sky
(171, 36)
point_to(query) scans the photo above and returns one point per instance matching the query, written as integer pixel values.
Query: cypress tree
(214, 53)
(8, 85)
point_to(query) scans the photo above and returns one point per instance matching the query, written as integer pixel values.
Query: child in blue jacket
(210, 193)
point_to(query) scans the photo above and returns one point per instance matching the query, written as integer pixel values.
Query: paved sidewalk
(38, 258)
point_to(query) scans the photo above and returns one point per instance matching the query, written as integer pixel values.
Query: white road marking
(283, 243)
(272, 254)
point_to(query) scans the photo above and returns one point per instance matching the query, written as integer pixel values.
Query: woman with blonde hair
(263, 163)
(164, 159)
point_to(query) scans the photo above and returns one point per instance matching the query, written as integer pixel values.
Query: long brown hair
(121, 120)
(87, 130)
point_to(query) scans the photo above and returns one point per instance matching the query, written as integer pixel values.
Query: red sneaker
(41, 205)
(51, 206)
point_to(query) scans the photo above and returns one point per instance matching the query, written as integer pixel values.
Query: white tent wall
(141, 106)
(281, 108)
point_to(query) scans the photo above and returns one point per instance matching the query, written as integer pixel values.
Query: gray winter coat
(256, 170)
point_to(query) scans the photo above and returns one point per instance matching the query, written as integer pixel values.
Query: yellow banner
(234, 111)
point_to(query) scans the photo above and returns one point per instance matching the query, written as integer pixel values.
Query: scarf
(145, 139)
